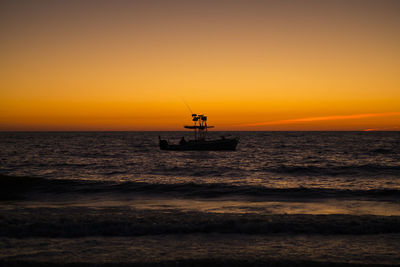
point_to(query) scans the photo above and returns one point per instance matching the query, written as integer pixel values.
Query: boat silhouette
(200, 141)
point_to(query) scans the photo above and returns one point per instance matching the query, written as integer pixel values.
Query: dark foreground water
(281, 199)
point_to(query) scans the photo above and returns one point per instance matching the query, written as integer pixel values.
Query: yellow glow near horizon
(126, 65)
(325, 118)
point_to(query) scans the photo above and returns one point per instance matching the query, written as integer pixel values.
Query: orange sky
(248, 65)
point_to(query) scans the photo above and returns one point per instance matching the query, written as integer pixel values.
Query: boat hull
(207, 145)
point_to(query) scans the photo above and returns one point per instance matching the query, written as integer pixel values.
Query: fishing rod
(187, 105)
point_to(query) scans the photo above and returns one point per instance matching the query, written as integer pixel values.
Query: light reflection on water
(227, 205)
(353, 172)
(340, 160)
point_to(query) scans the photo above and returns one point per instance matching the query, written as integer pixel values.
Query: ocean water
(283, 198)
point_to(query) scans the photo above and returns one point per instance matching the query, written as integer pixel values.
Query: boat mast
(195, 119)
(200, 127)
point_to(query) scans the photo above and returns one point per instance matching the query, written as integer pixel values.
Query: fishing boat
(200, 142)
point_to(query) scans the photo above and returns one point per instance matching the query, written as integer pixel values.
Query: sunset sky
(248, 65)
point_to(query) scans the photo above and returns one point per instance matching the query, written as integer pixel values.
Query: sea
(280, 199)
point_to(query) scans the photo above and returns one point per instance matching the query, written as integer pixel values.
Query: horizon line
(393, 129)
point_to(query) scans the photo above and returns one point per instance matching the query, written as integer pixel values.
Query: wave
(353, 170)
(20, 187)
(123, 221)
(365, 170)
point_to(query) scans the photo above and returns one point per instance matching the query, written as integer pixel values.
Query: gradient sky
(248, 65)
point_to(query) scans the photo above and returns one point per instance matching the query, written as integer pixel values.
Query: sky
(248, 65)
